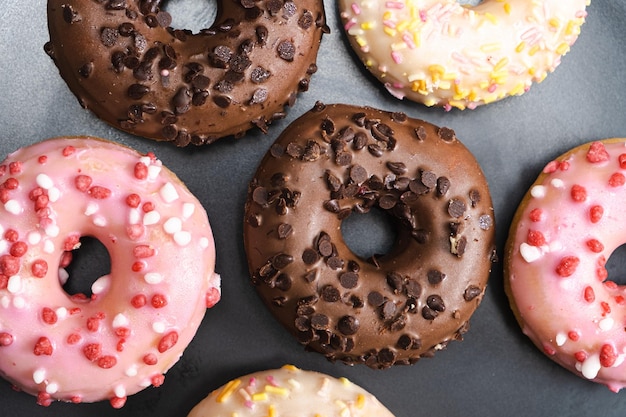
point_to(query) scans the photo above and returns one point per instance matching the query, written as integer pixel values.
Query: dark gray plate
(495, 371)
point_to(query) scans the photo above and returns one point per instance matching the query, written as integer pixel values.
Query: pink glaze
(570, 222)
(142, 315)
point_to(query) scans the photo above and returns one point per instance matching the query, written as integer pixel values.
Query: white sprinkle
(529, 253)
(63, 276)
(145, 383)
(99, 221)
(606, 324)
(61, 313)
(91, 208)
(54, 194)
(538, 191)
(19, 302)
(188, 210)
(52, 388)
(13, 207)
(120, 320)
(561, 338)
(33, 238)
(5, 301)
(101, 284)
(204, 242)
(591, 366)
(52, 230)
(158, 327)
(172, 225)
(152, 217)
(153, 172)
(44, 181)
(132, 371)
(120, 391)
(182, 238)
(48, 246)
(153, 278)
(557, 183)
(145, 160)
(39, 376)
(15, 284)
(134, 216)
(168, 193)
(555, 246)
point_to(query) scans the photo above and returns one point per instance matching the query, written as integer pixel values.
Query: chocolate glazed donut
(339, 160)
(124, 62)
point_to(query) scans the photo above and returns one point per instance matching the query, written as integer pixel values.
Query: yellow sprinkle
(360, 401)
(473, 96)
(344, 380)
(449, 76)
(507, 8)
(483, 84)
(291, 367)
(234, 414)
(430, 102)
(492, 18)
(445, 85)
(569, 29)
(533, 50)
(417, 38)
(389, 31)
(360, 41)
(520, 47)
(554, 22)
(259, 396)
(228, 390)
(387, 15)
(501, 64)
(367, 25)
(532, 70)
(271, 412)
(457, 104)
(517, 90)
(500, 77)
(276, 390)
(402, 25)
(491, 47)
(562, 49)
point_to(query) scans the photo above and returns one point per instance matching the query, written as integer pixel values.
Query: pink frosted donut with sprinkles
(290, 391)
(442, 53)
(140, 317)
(567, 226)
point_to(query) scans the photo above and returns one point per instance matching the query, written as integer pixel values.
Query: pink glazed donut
(142, 315)
(565, 229)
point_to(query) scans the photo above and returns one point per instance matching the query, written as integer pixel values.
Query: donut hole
(369, 234)
(616, 266)
(193, 15)
(89, 262)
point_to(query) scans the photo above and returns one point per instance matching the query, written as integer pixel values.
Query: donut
(141, 316)
(126, 64)
(290, 391)
(564, 231)
(341, 160)
(442, 53)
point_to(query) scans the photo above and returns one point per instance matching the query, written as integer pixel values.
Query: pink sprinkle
(423, 16)
(492, 88)
(270, 380)
(356, 9)
(408, 40)
(349, 25)
(397, 57)
(551, 167)
(394, 5)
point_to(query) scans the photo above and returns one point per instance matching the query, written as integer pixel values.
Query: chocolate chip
(302, 324)
(220, 56)
(458, 246)
(86, 70)
(312, 151)
(334, 262)
(474, 196)
(334, 184)
(412, 288)
(320, 321)
(284, 230)
(398, 168)
(332, 206)
(281, 260)
(349, 280)
(359, 141)
(222, 101)
(309, 256)
(387, 201)
(358, 174)
(70, 15)
(428, 313)
(443, 185)
(471, 292)
(259, 75)
(420, 236)
(310, 276)
(485, 222)
(261, 34)
(395, 280)
(435, 302)
(330, 294)
(325, 248)
(182, 100)
(429, 179)
(446, 134)
(399, 117)
(259, 96)
(420, 133)
(108, 36)
(375, 150)
(137, 91)
(164, 18)
(343, 158)
(286, 50)
(456, 208)
(274, 6)
(388, 310)
(375, 299)
(348, 325)
(306, 20)
(435, 277)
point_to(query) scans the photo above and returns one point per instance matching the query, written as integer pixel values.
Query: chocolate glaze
(125, 63)
(340, 160)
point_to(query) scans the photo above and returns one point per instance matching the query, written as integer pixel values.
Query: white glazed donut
(440, 53)
(142, 315)
(290, 391)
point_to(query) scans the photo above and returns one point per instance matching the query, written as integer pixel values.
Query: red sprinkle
(9, 265)
(107, 362)
(535, 238)
(580, 356)
(92, 351)
(39, 268)
(617, 180)
(117, 402)
(622, 161)
(6, 339)
(99, 193)
(549, 350)
(619, 299)
(68, 150)
(18, 249)
(573, 335)
(41, 202)
(158, 301)
(133, 200)
(82, 182)
(606, 308)
(122, 332)
(578, 193)
(93, 323)
(143, 251)
(597, 153)
(137, 266)
(150, 359)
(76, 399)
(141, 171)
(43, 347)
(4, 282)
(11, 235)
(607, 356)
(564, 166)
(167, 341)
(73, 338)
(601, 271)
(212, 297)
(139, 301)
(134, 231)
(596, 213)
(48, 315)
(15, 167)
(595, 245)
(147, 207)
(66, 259)
(535, 215)
(158, 380)
(44, 399)
(567, 266)
(42, 159)
(120, 345)
(11, 184)
(589, 295)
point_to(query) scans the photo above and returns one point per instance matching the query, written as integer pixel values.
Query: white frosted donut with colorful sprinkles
(142, 315)
(290, 391)
(441, 53)
(567, 226)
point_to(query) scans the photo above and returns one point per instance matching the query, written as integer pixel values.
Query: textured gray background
(495, 371)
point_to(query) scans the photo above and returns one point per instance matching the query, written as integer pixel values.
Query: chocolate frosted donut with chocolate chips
(124, 62)
(340, 160)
